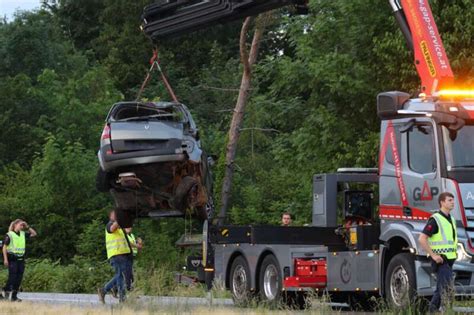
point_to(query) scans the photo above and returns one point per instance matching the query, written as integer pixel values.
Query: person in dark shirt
(439, 240)
(432, 228)
(286, 219)
(14, 246)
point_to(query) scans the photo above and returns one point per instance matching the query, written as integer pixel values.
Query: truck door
(420, 160)
(409, 169)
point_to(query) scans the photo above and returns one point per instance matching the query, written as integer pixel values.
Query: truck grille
(469, 212)
(463, 278)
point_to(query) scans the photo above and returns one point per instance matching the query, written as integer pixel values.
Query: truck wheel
(102, 181)
(270, 283)
(240, 281)
(400, 281)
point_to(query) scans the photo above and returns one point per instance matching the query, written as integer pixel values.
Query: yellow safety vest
(133, 243)
(17, 244)
(444, 242)
(116, 243)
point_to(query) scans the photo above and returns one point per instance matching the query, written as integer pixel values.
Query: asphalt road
(92, 299)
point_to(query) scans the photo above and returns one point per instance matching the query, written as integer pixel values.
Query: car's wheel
(185, 187)
(240, 281)
(270, 282)
(400, 281)
(102, 181)
(125, 218)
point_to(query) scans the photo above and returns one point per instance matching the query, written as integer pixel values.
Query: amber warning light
(455, 93)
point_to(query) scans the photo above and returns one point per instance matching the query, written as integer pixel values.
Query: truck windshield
(459, 147)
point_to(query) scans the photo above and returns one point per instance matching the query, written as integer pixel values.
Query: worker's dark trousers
(129, 274)
(444, 286)
(16, 268)
(120, 265)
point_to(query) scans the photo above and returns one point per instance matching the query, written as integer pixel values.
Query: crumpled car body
(152, 163)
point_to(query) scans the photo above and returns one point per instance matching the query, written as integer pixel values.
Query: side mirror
(389, 103)
(194, 132)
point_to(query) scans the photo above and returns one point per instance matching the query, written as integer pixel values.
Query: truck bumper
(463, 278)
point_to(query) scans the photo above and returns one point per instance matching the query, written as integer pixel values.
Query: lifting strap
(155, 64)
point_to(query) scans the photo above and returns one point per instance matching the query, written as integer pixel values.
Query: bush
(84, 275)
(44, 275)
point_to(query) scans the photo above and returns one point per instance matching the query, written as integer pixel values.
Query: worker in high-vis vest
(14, 248)
(137, 244)
(119, 252)
(439, 240)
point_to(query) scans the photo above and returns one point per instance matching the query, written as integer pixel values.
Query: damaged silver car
(152, 163)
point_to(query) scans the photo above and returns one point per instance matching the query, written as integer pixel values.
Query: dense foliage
(312, 110)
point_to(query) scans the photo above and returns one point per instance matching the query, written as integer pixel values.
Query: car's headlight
(462, 254)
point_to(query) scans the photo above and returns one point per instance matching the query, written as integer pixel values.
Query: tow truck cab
(426, 148)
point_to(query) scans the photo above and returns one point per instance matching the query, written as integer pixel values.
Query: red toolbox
(308, 273)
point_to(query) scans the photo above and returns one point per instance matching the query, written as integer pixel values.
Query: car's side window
(421, 151)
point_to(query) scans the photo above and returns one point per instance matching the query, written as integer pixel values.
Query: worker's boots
(101, 293)
(14, 297)
(6, 295)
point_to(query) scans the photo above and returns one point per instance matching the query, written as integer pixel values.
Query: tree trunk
(248, 60)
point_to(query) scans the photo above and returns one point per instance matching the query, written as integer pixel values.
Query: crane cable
(155, 64)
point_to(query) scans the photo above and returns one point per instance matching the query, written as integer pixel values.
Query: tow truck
(350, 250)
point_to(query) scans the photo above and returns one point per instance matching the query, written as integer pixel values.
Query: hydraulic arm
(420, 31)
(166, 18)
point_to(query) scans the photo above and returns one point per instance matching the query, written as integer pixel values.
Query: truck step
(187, 240)
(186, 280)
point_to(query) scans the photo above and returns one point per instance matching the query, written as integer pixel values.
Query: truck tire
(239, 281)
(180, 199)
(400, 281)
(270, 282)
(102, 181)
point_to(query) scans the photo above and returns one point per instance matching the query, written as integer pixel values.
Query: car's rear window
(129, 112)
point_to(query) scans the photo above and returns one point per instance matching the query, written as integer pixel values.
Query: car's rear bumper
(111, 161)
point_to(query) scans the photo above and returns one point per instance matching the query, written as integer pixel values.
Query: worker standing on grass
(439, 240)
(118, 251)
(137, 244)
(14, 246)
